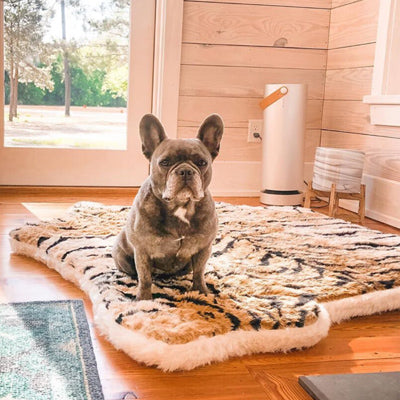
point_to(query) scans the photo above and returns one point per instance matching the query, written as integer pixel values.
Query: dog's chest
(173, 255)
(181, 214)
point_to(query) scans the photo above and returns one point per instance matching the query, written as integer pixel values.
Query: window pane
(66, 73)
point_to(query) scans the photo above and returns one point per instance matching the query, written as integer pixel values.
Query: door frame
(155, 36)
(167, 63)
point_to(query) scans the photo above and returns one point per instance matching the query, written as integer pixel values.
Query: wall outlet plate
(255, 130)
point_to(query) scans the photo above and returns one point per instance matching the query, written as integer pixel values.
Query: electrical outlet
(255, 130)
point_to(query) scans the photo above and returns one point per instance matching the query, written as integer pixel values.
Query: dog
(172, 222)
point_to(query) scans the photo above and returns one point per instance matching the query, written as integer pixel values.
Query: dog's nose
(184, 172)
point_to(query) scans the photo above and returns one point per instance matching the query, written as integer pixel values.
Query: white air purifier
(283, 144)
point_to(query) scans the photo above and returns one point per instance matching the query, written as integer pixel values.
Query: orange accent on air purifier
(273, 97)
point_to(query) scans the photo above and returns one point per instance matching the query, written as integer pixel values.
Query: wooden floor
(368, 344)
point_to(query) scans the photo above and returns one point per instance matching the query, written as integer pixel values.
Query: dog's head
(180, 169)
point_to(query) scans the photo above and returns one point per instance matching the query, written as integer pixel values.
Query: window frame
(384, 107)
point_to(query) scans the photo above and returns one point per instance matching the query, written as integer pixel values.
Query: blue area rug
(46, 352)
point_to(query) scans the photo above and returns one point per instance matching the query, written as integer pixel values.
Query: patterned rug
(46, 352)
(278, 277)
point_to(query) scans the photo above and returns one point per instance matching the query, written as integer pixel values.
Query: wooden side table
(334, 196)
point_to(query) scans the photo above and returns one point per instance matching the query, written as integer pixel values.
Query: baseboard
(70, 190)
(382, 200)
(373, 214)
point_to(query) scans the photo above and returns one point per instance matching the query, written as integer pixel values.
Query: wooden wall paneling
(286, 3)
(234, 145)
(312, 140)
(353, 116)
(348, 84)
(346, 119)
(354, 24)
(236, 178)
(382, 158)
(236, 112)
(227, 23)
(351, 57)
(252, 56)
(230, 50)
(245, 82)
(340, 3)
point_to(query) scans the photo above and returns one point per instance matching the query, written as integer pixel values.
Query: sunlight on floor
(45, 211)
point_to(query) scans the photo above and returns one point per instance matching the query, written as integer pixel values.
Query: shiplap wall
(352, 38)
(230, 50)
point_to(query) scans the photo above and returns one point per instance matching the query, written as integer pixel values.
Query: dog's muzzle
(183, 183)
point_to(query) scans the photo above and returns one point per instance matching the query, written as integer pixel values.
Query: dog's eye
(201, 163)
(165, 162)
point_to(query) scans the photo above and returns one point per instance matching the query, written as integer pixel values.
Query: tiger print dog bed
(278, 277)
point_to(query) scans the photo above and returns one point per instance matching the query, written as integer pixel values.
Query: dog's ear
(152, 134)
(210, 133)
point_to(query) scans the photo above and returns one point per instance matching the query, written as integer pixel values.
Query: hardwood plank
(235, 112)
(251, 56)
(33, 286)
(240, 24)
(281, 381)
(208, 386)
(351, 57)
(287, 3)
(348, 84)
(340, 347)
(11, 221)
(12, 208)
(354, 24)
(366, 344)
(245, 82)
(353, 116)
(382, 154)
(62, 194)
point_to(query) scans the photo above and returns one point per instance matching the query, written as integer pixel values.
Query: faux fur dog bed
(278, 277)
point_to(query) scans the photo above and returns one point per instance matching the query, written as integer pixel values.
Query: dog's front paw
(144, 295)
(201, 288)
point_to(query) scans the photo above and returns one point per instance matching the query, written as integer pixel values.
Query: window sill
(384, 110)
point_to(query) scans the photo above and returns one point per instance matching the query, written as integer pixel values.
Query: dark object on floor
(382, 386)
(46, 352)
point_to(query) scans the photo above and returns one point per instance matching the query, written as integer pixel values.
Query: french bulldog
(172, 222)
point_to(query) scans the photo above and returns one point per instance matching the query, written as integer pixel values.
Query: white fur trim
(204, 350)
(364, 304)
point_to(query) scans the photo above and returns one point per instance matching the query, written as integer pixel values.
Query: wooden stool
(334, 198)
